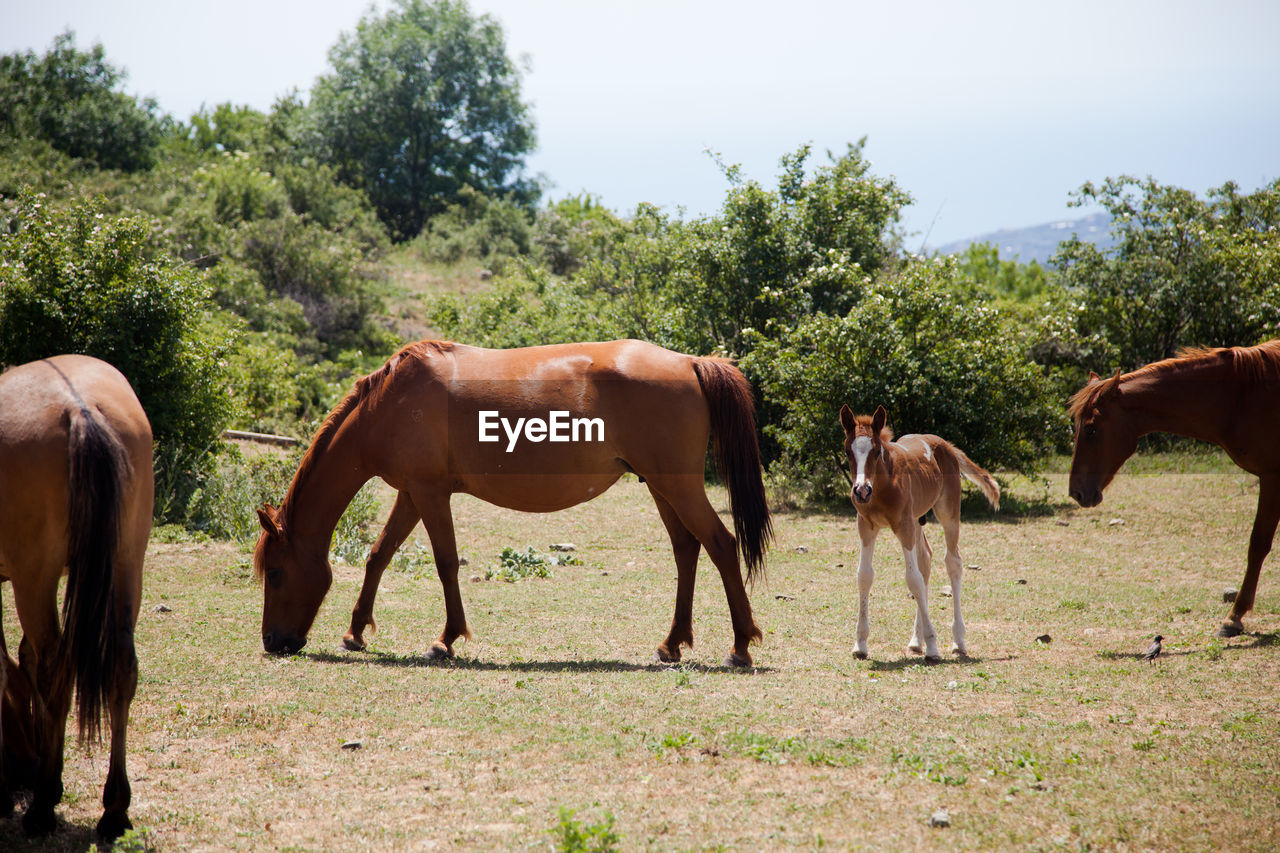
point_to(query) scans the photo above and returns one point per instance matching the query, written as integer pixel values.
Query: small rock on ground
(563, 546)
(940, 818)
(1229, 594)
(353, 744)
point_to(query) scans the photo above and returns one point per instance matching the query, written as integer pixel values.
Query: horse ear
(1093, 377)
(267, 516)
(877, 420)
(846, 418)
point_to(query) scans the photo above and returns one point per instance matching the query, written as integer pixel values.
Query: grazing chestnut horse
(1230, 397)
(76, 494)
(503, 425)
(895, 483)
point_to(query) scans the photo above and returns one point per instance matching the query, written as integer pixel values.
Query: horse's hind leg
(438, 519)
(404, 517)
(912, 549)
(955, 570)
(1264, 531)
(117, 794)
(685, 546)
(122, 680)
(688, 498)
(6, 795)
(37, 609)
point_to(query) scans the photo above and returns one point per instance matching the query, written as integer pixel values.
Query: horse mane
(886, 434)
(367, 389)
(1252, 364)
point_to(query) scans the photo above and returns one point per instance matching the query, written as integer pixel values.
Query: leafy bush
(570, 232)
(516, 565)
(77, 281)
(493, 230)
(573, 837)
(1184, 271)
(239, 483)
(68, 98)
(937, 364)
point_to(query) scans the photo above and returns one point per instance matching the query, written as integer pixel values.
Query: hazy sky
(989, 113)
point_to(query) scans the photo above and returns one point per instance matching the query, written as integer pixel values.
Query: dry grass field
(556, 703)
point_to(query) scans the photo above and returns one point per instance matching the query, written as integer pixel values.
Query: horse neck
(1190, 399)
(327, 480)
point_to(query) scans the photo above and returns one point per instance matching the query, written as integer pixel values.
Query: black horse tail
(98, 465)
(737, 454)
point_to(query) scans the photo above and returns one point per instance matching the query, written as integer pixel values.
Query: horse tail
(97, 467)
(737, 454)
(979, 477)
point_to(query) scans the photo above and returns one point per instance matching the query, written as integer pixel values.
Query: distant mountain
(1039, 242)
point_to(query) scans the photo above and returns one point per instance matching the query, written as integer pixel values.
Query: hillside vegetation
(243, 267)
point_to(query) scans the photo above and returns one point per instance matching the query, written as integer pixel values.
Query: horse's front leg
(924, 562)
(912, 550)
(866, 575)
(403, 518)
(438, 519)
(1264, 531)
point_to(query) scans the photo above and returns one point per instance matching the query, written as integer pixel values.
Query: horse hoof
(933, 658)
(664, 656)
(439, 651)
(959, 651)
(353, 643)
(39, 821)
(113, 825)
(860, 655)
(735, 661)
(1231, 629)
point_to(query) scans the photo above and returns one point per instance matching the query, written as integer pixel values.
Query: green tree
(937, 363)
(77, 281)
(423, 101)
(1184, 271)
(69, 98)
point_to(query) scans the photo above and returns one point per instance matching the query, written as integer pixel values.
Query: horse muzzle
(862, 493)
(1086, 497)
(281, 644)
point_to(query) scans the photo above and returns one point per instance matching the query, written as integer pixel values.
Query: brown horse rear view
(536, 429)
(1229, 397)
(76, 497)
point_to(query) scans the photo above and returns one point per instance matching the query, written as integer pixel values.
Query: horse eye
(1090, 431)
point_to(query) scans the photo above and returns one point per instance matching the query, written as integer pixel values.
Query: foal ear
(1093, 377)
(877, 420)
(267, 516)
(846, 418)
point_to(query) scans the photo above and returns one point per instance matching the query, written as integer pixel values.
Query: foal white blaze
(895, 485)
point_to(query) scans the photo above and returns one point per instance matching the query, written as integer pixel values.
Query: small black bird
(1154, 650)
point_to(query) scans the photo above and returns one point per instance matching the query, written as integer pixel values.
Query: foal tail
(733, 431)
(90, 647)
(979, 477)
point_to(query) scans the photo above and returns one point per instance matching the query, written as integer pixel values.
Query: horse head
(293, 585)
(864, 439)
(1104, 438)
